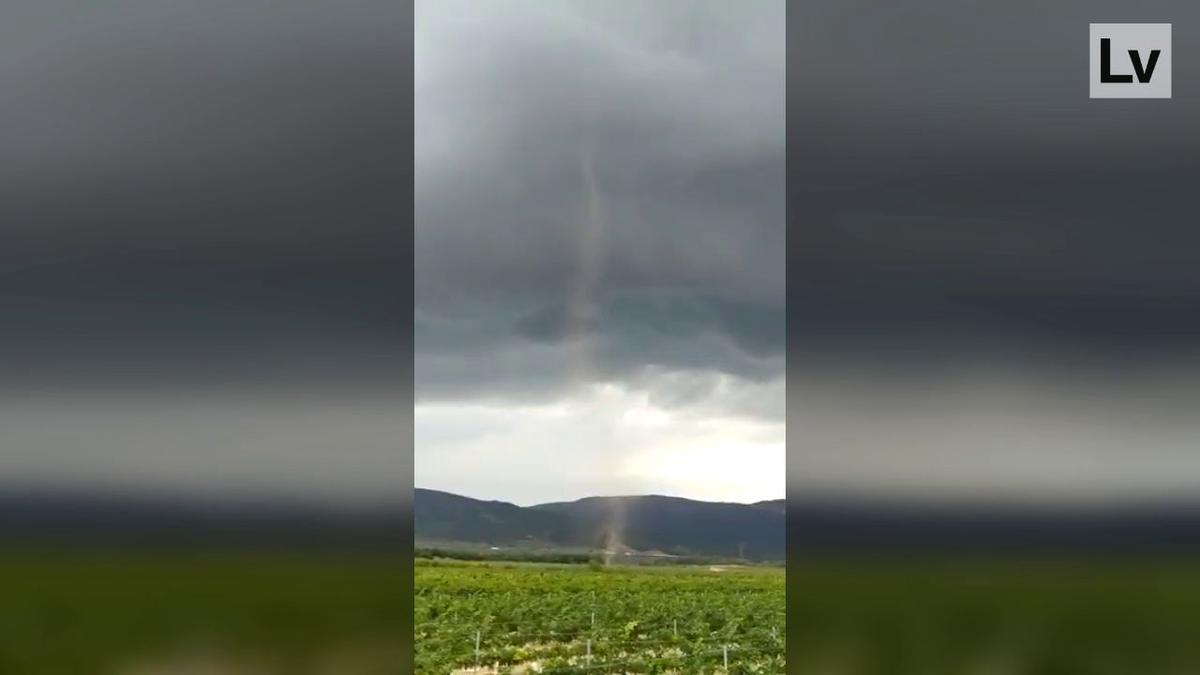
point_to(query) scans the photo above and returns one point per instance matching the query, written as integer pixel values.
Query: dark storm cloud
(597, 180)
(204, 247)
(200, 190)
(956, 194)
(992, 278)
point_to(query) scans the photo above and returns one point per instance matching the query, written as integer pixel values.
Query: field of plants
(524, 618)
(85, 612)
(850, 617)
(1000, 617)
(268, 613)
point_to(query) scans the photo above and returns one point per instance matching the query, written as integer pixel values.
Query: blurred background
(993, 344)
(205, 348)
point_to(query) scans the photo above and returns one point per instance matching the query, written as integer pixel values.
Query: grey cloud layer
(193, 192)
(993, 280)
(666, 119)
(961, 197)
(201, 246)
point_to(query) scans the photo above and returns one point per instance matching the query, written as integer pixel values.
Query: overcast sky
(992, 288)
(202, 246)
(994, 281)
(600, 253)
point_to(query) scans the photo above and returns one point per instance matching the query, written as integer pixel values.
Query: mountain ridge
(621, 523)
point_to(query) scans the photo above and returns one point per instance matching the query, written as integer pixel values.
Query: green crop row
(574, 618)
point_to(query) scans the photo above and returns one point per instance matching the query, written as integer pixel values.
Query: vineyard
(530, 618)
